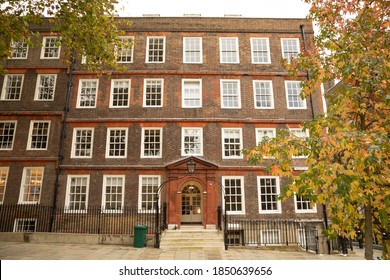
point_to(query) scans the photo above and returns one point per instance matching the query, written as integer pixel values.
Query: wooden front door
(191, 205)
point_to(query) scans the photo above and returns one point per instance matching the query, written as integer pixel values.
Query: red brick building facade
(192, 88)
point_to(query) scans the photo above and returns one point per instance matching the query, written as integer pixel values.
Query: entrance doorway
(191, 205)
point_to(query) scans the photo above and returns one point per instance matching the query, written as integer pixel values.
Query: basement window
(25, 225)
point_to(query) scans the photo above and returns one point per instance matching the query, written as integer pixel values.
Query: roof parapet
(192, 15)
(151, 15)
(232, 15)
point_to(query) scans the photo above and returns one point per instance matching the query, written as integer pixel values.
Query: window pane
(113, 193)
(25, 225)
(269, 191)
(260, 50)
(263, 94)
(7, 134)
(229, 50)
(191, 94)
(192, 141)
(233, 189)
(19, 50)
(232, 143)
(50, 47)
(153, 93)
(149, 186)
(3, 182)
(83, 142)
(77, 193)
(12, 88)
(152, 143)
(156, 50)
(294, 99)
(290, 48)
(120, 93)
(262, 133)
(117, 140)
(31, 185)
(39, 135)
(192, 50)
(46, 87)
(303, 203)
(230, 94)
(87, 93)
(125, 55)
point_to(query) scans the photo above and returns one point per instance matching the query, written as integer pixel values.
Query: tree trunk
(386, 250)
(369, 251)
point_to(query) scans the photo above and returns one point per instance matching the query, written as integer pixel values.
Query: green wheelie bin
(140, 236)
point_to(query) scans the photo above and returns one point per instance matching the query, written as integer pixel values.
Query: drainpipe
(63, 137)
(308, 72)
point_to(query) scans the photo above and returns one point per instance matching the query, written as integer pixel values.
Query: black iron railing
(272, 232)
(92, 220)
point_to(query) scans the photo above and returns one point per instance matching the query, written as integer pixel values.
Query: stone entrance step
(191, 237)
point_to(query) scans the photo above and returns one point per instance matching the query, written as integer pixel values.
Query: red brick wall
(172, 117)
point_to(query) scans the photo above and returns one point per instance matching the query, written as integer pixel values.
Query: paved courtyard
(65, 251)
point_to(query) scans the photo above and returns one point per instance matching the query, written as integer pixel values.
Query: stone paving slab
(65, 251)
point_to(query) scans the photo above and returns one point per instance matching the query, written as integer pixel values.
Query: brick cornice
(186, 120)
(198, 73)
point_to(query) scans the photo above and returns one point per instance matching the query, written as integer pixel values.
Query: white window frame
(127, 52)
(297, 87)
(225, 94)
(79, 97)
(146, 81)
(258, 89)
(31, 182)
(263, 130)
(143, 142)
(5, 95)
(271, 131)
(68, 189)
(112, 93)
(19, 46)
(105, 194)
(183, 148)
(312, 209)
(148, 50)
(267, 50)
(85, 59)
(30, 135)
(287, 53)
(38, 86)
(151, 194)
(299, 130)
(278, 209)
(186, 50)
(44, 47)
(109, 143)
(193, 94)
(21, 227)
(223, 50)
(225, 131)
(74, 143)
(242, 195)
(8, 136)
(4, 171)
(301, 133)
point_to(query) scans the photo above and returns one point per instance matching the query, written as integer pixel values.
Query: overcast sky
(215, 8)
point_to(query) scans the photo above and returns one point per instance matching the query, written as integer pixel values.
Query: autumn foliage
(85, 28)
(348, 151)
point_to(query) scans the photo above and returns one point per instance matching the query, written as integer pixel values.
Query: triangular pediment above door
(201, 164)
